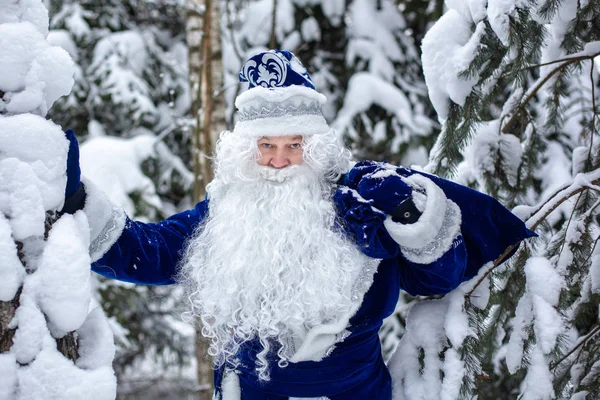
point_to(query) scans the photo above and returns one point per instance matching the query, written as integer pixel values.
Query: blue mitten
(360, 170)
(73, 169)
(382, 184)
(385, 188)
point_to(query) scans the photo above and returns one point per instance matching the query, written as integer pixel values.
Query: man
(296, 257)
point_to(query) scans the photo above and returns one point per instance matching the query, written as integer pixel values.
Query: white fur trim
(283, 126)
(321, 338)
(427, 227)
(230, 387)
(106, 220)
(444, 240)
(320, 341)
(434, 233)
(279, 95)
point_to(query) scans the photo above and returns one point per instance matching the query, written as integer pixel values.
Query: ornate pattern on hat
(275, 68)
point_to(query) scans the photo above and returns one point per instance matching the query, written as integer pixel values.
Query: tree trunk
(7, 313)
(67, 345)
(208, 109)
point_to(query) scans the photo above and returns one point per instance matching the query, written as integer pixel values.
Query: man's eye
(296, 145)
(266, 145)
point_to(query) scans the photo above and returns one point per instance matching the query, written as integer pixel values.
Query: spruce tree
(515, 88)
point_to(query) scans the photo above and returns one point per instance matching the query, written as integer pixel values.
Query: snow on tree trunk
(51, 345)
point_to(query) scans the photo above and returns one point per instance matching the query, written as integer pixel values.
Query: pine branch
(579, 184)
(540, 84)
(564, 243)
(581, 343)
(592, 67)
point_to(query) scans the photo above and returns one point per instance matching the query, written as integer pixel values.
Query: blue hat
(281, 98)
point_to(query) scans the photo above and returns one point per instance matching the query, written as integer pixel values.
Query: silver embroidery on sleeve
(449, 230)
(109, 233)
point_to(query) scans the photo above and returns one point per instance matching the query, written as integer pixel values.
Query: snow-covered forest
(498, 95)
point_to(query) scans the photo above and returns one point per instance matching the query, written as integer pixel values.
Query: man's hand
(383, 185)
(73, 169)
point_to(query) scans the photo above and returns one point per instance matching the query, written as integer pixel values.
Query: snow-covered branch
(535, 215)
(542, 80)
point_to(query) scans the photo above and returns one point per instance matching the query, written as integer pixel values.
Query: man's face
(280, 151)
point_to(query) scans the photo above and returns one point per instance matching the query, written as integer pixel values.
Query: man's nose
(280, 160)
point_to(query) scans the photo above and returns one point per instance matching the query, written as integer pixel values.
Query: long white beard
(269, 263)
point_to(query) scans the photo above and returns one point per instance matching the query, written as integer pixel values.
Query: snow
(11, 272)
(454, 370)
(424, 333)
(231, 387)
(33, 72)
(114, 164)
(32, 178)
(595, 271)
(471, 10)
(366, 89)
(514, 350)
(456, 323)
(538, 381)
(433, 327)
(481, 295)
(31, 326)
(54, 273)
(74, 18)
(8, 377)
(310, 30)
(543, 280)
(118, 64)
(64, 293)
(96, 345)
(490, 147)
(384, 47)
(537, 307)
(499, 14)
(548, 324)
(448, 49)
(52, 377)
(62, 39)
(559, 26)
(32, 11)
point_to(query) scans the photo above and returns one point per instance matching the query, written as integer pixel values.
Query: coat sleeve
(458, 231)
(430, 253)
(136, 252)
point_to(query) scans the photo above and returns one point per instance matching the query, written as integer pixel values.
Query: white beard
(270, 263)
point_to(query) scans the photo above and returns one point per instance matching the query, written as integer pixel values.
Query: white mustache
(278, 174)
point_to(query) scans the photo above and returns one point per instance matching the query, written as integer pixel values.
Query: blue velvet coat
(149, 253)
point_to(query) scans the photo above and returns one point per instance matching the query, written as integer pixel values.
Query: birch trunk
(208, 109)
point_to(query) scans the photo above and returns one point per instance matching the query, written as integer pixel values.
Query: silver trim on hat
(249, 114)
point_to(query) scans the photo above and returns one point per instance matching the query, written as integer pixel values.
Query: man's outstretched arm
(119, 247)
